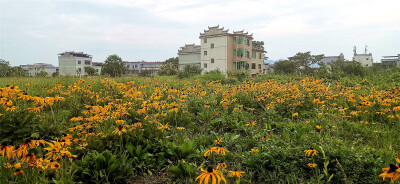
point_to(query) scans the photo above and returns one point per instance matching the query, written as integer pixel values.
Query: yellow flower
(218, 141)
(254, 150)
(221, 165)
(251, 124)
(163, 127)
(119, 130)
(312, 165)
(311, 152)
(180, 128)
(295, 114)
(55, 165)
(237, 174)
(214, 175)
(318, 127)
(18, 172)
(392, 172)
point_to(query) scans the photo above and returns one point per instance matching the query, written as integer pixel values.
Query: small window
(367, 58)
(254, 55)
(212, 60)
(87, 62)
(79, 62)
(97, 70)
(212, 45)
(253, 66)
(259, 66)
(79, 69)
(205, 53)
(205, 65)
(260, 56)
(205, 40)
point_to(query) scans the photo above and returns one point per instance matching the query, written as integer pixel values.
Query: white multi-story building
(73, 63)
(230, 51)
(33, 70)
(189, 55)
(391, 60)
(135, 67)
(365, 59)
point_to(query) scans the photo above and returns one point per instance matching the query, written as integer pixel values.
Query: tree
(168, 69)
(173, 60)
(285, 67)
(4, 68)
(188, 71)
(90, 71)
(258, 43)
(17, 72)
(42, 74)
(113, 66)
(305, 60)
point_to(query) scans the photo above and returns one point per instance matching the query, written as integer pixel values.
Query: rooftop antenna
(366, 46)
(355, 50)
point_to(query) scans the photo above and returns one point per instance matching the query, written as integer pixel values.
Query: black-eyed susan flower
(311, 152)
(119, 130)
(237, 174)
(221, 165)
(210, 174)
(392, 172)
(254, 151)
(18, 172)
(312, 165)
(55, 166)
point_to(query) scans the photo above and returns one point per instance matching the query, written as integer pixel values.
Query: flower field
(273, 129)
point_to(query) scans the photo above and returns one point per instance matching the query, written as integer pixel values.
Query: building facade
(136, 67)
(230, 51)
(189, 55)
(391, 60)
(328, 59)
(73, 63)
(365, 59)
(33, 70)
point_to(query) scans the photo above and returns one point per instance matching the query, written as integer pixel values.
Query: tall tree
(114, 66)
(305, 60)
(4, 68)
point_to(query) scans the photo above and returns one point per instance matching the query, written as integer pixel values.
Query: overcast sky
(34, 31)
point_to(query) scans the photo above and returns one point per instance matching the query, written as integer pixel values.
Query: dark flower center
(209, 169)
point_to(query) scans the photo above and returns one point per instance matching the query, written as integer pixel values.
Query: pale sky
(33, 31)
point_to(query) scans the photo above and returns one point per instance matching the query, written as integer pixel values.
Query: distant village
(218, 50)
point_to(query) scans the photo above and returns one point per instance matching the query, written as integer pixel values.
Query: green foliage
(304, 61)
(168, 68)
(55, 74)
(188, 71)
(113, 66)
(184, 151)
(183, 172)
(42, 74)
(90, 71)
(103, 167)
(285, 67)
(7, 71)
(238, 74)
(145, 73)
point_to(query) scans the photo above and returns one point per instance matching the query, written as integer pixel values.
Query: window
(205, 40)
(205, 65)
(205, 53)
(259, 66)
(253, 66)
(367, 58)
(212, 60)
(212, 45)
(97, 70)
(240, 65)
(248, 54)
(79, 62)
(253, 55)
(79, 70)
(260, 56)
